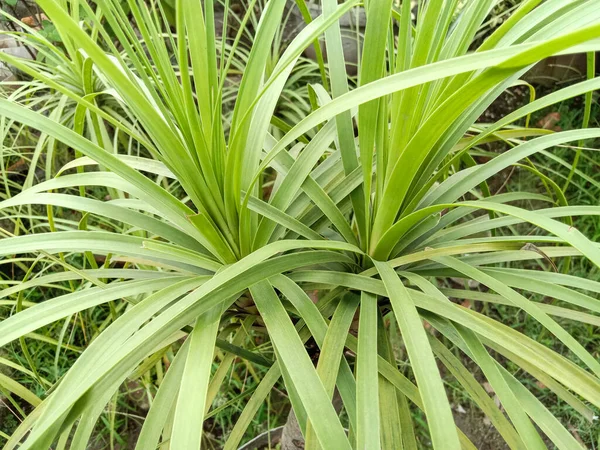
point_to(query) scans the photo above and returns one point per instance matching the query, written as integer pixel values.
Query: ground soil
(481, 433)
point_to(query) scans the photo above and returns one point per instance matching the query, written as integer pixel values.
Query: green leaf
(528, 306)
(18, 389)
(163, 402)
(189, 410)
(47, 312)
(306, 382)
(436, 404)
(331, 355)
(367, 381)
(477, 393)
(510, 402)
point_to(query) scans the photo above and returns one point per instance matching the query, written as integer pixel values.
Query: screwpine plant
(58, 76)
(374, 200)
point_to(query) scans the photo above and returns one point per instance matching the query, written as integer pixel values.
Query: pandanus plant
(374, 200)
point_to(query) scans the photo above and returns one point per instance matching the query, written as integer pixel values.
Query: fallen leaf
(20, 166)
(34, 21)
(549, 121)
(575, 434)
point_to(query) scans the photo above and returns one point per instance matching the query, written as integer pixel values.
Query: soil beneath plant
(482, 434)
(510, 100)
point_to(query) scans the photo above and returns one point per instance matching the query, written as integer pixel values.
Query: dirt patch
(482, 434)
(510, 100)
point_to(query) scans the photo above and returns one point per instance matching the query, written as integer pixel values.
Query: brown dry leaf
(34, 21)
(267, 192)
(575, 434)
(549, 121)
(20, 166)
(466, 304)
